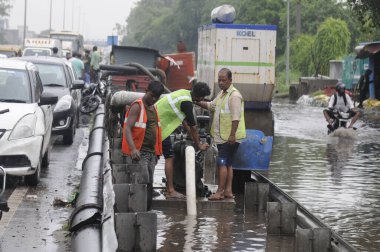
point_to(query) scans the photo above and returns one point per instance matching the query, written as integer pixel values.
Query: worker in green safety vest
(227, 130)
(175, 109)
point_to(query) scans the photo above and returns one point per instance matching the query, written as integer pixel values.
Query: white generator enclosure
(248, 51)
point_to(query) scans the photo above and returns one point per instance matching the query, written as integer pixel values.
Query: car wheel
(68, 138)
(78, 118)
(46, 159)
(34, 179)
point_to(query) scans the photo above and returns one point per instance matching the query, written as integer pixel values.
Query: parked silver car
(25, 120)
(58, 78)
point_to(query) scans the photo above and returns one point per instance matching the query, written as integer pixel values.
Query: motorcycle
(92, 95)
(341, 120)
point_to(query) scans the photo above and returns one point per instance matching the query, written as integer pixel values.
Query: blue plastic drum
(254, 152)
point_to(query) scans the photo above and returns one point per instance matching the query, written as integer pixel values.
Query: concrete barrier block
(119, 173)
(256, 196)
(146, 236)
(117, 156)
(125, 231)
(136, 231)
(137, 175)
(281, 218)
(130, 198)
(313, 239)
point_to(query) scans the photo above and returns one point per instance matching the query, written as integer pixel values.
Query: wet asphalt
(36, 222)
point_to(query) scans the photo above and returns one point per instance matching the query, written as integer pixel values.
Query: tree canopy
(4, 7)
(331, 42)
(366, 11)
(160, 24)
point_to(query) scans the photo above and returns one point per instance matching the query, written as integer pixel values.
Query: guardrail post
(313, 239)
(281, 218)
(136, 231)
(130, 197)
(256, 196)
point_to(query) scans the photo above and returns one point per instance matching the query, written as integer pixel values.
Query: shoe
(330, 127)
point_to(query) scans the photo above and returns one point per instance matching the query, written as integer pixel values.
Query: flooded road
(337, 179)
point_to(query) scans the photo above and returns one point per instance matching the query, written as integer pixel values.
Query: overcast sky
(95, 19)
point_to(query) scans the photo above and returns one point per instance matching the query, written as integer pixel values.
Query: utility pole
(287, 42)
(64, 14)
(51, 3)
(23, 41)
(72, 18)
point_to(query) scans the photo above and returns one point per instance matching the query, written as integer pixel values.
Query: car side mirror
(77, 84)
(48, 99)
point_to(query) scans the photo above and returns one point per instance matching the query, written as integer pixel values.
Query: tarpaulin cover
(366, 50)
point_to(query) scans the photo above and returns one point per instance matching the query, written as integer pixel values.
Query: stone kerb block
(313, 239)
(256, 196)
(281, 218)
(136, 231)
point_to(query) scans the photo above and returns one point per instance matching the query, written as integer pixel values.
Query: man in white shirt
(341, 102)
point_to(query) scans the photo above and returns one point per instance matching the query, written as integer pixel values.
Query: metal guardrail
(305, 219)
(86, 220)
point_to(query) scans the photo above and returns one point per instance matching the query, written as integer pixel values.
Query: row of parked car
(39, 96)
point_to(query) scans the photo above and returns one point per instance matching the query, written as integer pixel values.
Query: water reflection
(214, 230)
(337, 179)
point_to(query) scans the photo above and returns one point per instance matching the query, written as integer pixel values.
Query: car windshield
(8, 53)
(36, 52)
(52, 75)
(14, 86)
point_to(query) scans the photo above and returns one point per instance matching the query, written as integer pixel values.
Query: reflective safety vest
(225, 118)
(138, 131)
(169, 110)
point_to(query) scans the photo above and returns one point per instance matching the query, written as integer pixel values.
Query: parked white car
(25, 120)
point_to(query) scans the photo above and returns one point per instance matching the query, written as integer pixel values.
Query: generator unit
(248, 51)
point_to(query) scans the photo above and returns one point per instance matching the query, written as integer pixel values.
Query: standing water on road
(337, 179)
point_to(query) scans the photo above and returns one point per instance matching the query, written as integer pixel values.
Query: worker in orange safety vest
(142, 142)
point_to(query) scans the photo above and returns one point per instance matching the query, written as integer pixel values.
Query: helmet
(340, 88)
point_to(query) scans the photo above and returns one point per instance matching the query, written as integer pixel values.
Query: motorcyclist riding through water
(340, 102)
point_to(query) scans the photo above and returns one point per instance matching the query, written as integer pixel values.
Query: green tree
(300, 50)
(4, 7)
(366, 10)
(4, 11)
(331, 42)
